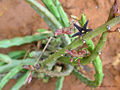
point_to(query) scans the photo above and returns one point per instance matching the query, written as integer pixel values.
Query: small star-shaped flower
(82, 31)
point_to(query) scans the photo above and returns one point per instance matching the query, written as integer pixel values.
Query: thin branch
(43, 50)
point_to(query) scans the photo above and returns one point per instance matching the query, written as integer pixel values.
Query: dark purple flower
(82, 31)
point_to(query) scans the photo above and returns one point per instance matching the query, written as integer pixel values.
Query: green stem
(101, 42)
(5, 58)
(79, 42)
(96, 51)
(59, 83)
(98, 75)
(63, 15)
(98, 69)
(23, 40)
(67, 61)
(51, 7)
(15, 63)
(56, 9)
(21, 81)
(44, 13)
(97, 62)
(2, 63)
(9, 75)
(17, 54)
(97, 65)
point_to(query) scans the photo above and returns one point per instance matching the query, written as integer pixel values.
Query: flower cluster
(74, 53)
(63, 31)
(82, 30)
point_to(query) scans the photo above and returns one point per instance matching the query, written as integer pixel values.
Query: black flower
(82, 31)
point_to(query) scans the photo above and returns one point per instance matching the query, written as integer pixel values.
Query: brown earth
(17, 18)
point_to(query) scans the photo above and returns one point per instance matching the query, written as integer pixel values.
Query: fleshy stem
(56, 9)
(23, 40)
(97, 64)
(59, 83)
(53, 9)
(79, 42)
(63, 15)
(102, 40)
(96, 51)
(15, 62)
(43, 12)
(98, 77)
(98, 69)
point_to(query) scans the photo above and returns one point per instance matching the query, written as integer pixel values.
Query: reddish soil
(17, 18)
